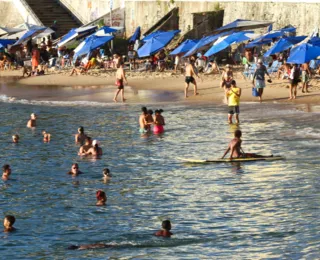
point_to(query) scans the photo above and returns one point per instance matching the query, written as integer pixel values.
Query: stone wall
(9, 15)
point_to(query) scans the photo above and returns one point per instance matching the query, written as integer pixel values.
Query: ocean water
(252, 210)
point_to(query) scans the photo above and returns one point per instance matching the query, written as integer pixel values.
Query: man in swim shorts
(306, 75)
(190, 73)
(120, 78)
(142, 120)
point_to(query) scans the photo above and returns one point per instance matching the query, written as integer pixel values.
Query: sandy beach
(99, 86)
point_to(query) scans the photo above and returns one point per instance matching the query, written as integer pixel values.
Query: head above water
(166, 224)
(10, 220)
(144, 110)
(33, 116)
(150, 112)
(106, 172)
(81, 130)
(15, 138)
(237, 133)
(158, 111)
(101, 195)
(6, 168)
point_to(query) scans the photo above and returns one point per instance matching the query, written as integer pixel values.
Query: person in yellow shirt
(233, 95)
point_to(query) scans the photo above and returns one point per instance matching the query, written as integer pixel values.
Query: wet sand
(143, 87)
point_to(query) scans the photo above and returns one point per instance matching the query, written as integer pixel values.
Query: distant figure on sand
(46, 137)
(165, 232)
(101, 198)
(190, 73)
(233, 96)
(294, 81)
(95, 150)
(158, 122)
(81, 136)
(32, 121)
(227, 77)
(120, 79)
(15, 138)
(235, 148)
(8, 222)
(75, 170)
(6, 172)
(259, 77)
(306, 75)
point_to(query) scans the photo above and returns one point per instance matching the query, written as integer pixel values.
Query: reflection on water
(253, 210)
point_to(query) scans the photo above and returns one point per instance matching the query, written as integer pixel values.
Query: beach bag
(255, 92)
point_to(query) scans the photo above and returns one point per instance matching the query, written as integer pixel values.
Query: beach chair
(250, 71)
(274, 67)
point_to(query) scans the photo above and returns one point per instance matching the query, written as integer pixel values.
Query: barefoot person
(233, 95)
(259, 78)
(158, 122)
(190, 73)
(294, 81)
(6, 172)
(120, 79)
(32, 121)
(165, 232)
(235, 148)
(8, 222)
(306, 75)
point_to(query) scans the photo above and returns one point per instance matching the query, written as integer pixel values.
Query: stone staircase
(49, 11)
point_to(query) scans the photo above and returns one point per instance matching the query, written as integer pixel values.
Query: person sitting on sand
(235, 148)
(142, 121)
(233, 97)
(158, 122)
(75, 170)
(6, 172)
(165, 232)
(106, 175)
(120, 79)
(8, 222)
(79, 68)
(101, 198)
(81, 136)
(32, 120)
(87, 145)
(95, 150)
(190, 73)
(46, 136)
(15, 138)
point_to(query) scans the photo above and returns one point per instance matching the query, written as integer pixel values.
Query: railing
(73, 11)
(27, 12)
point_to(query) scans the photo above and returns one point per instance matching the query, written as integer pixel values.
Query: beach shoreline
(100, 88)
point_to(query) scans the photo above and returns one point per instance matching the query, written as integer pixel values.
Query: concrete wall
(9, 15)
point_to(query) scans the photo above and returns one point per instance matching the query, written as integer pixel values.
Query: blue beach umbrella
(1, 46)
(154, 45)
(91, 43)
(5, 42)
(304, 52)
(30, 34)
(136, 35)
(241, 24)
(76, 33)
(284, 44)
(105, 30)
(161, 33)
(184, 47)
(226, 41)
(9, 31)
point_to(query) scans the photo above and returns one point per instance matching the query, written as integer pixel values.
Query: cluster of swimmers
(146, 121)
(91, 147)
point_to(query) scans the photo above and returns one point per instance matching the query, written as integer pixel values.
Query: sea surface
(252, 210)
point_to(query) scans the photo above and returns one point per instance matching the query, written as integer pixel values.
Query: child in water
(46, 136)
(158, 122)
(8, 223)
(165, 232)
(101, 198)
(106, 175)
(15, 138)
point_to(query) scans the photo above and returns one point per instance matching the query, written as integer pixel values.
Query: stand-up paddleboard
(226, 160)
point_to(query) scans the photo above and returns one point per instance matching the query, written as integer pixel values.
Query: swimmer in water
(81, 136)
(95, 150)
(6, 172)
(8, 223)
(32, 121)
(101, 198)
(75, 170)
(84, 148)
(106, 175)
(165, 232)
(46, 137)
(148, 120)
(90, 246)
(15, 138)
(142, 121)
(235, 148)
(158, 122)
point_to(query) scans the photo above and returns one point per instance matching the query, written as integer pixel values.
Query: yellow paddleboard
(265, 158)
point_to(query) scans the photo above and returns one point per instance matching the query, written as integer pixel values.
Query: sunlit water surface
(255, 210)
